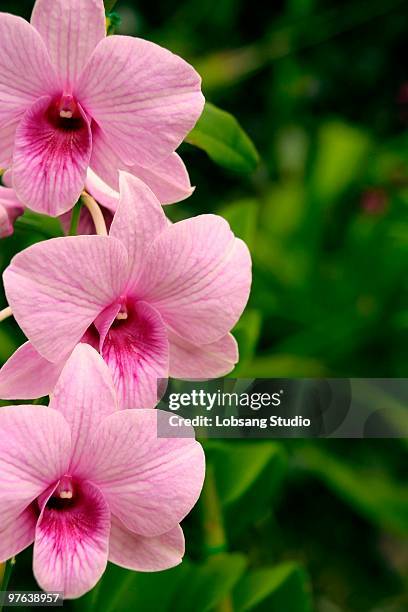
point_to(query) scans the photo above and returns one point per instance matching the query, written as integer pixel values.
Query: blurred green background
(321, 88)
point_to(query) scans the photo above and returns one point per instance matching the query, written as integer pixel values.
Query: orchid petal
(137, 352)
(103, 194)
(26, 73)
(50, 160)
(84, 395)
(104, 322)
(10, 209)
(71, 30)
(143, 554)
(71, 546)
(206, 361)
(7, 177)
(57, 288)
(150, 483)
(27, 375)
(169, 180)
(6, 227)
(35, 446)
(138, 221)
(198, 276)
(18, 535)
(105, 163)
(145, 98)
(7, 139)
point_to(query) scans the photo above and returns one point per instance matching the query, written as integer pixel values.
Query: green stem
(215, 540)
(75, 218)
(39, 401)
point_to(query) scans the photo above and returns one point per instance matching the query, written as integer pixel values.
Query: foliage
(219, 134)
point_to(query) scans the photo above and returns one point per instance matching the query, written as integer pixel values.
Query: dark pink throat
(64, 113)
(65, 495)
(130, 326)
(125, 333)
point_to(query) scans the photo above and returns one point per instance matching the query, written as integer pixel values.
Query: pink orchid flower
(10, 210)
(87, 482)
(73, 98)
(155, 299)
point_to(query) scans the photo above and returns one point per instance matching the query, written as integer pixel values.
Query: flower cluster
(129, 300)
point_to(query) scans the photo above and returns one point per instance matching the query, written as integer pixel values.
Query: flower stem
(76, 213)
(214, 533)
(215, 540)
(96, 213)
(5, 314)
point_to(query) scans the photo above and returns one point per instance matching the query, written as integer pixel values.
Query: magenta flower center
(128, 323)
(63, 114)
(64, 496)
(132, 337)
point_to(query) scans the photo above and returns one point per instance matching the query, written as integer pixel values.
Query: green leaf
(8, 344)
(283, 365)
(189, 586)
(247, 332)
(341, 151)
(284, 209)
(371, 493)
(242, 217)
(301, 7)
(120, 590)
(284, 587)
(219, 134)
(258, 468)
(109, 4)
(42, 225)
(247, 461)
(209, 583)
